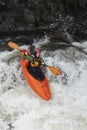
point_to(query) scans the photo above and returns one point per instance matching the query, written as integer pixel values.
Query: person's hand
(43, 63)
(25, 53)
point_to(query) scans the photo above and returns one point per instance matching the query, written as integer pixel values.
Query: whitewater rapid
(22, 109)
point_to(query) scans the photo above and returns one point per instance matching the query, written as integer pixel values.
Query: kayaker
(35, 62)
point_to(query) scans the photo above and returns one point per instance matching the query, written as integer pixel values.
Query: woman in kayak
(35, 62)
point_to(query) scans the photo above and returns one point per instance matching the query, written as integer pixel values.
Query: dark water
(20, 40)
(27, 40)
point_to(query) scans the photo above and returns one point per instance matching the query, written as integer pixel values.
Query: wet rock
(26, 15)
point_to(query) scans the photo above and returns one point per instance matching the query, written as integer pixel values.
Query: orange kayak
(41, 88)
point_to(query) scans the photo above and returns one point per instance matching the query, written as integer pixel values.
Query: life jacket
(35, 62)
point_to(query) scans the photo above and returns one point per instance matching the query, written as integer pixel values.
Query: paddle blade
(54, 70)
(13, 45)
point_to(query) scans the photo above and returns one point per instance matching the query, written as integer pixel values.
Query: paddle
(13, 45)
(53, 69)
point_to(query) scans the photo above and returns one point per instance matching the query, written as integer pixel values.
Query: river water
(22, 109)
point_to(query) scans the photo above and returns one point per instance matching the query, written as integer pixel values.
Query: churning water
(22, 109)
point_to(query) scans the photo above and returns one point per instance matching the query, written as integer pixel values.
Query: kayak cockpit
(36, 73)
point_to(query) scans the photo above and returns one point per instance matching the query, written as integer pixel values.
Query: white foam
(22, 109)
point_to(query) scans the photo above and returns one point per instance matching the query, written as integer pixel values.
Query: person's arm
(42, 61)
(27, 57)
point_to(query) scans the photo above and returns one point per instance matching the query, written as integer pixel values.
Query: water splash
(22, 109)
